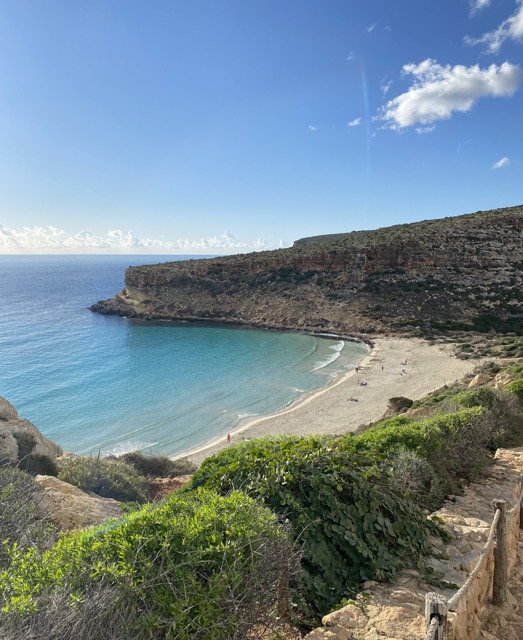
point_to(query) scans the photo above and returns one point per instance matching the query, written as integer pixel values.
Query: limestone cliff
(462, 272)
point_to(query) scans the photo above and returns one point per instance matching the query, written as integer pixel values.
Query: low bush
(455, 444)
(516, 388)
(503, 416)
(198, 567)
(155, 466)
(414, 475)
(20, 523)
(105, 477)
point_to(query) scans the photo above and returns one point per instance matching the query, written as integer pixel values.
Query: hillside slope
(464, 272)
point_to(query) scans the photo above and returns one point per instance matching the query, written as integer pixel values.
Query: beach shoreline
(409, 367)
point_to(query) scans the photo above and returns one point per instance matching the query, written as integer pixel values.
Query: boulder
(71, 508)
(480, 379)
(502, 379)
(20, 439)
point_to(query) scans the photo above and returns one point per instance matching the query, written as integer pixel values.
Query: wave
(241, 416)
(127, 447)
(296, 389)
(337, 349)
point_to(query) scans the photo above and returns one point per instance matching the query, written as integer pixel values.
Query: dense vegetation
(198, 566)
(215, 561)
(351, 524)
(355, 501)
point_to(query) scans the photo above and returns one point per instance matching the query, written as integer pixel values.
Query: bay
(103, 384)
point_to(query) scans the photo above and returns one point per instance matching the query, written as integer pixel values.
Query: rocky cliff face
(21, 444)
(463, 272)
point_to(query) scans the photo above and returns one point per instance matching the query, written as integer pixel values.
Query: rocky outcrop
(20, 441)
(71, 508)
(462, 272)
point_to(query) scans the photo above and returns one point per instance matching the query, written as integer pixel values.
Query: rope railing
(454, 601)
(433, 628)
(437, 606)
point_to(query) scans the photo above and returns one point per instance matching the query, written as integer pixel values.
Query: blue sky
(219, 126)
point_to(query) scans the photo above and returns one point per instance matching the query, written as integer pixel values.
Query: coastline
(408, 367)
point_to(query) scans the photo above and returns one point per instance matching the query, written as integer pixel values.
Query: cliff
(464, 272)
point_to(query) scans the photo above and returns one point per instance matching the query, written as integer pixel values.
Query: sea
(100, 385)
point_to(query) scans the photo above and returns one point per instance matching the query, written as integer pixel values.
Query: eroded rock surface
(20, 438)
(71, 508)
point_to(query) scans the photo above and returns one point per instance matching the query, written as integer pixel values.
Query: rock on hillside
(20, 441)
(72, 508)
(464, 272)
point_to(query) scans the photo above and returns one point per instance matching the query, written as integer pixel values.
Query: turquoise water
(105, 384)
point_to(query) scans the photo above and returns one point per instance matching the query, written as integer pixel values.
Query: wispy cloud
(385, 87)
(478, 5)
(509, 29)
(354, 123)
(351, 55)
(438, 91)
(503, 162)
(371, 27)
(53, 240)
(311, 127)
(421, 130)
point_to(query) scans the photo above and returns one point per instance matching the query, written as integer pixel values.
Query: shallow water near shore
(106, 384)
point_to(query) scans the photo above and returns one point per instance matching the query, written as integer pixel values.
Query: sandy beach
(393, 367)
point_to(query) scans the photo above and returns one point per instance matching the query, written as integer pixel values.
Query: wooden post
(436, 606)
(283, 598)
(499, 590)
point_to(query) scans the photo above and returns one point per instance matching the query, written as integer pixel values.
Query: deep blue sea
(105, 384)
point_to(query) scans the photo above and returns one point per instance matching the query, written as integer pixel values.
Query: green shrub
(456, 444)
(20, 523)
(105, 477)
(351, 525)
(200, 566)
(416, 477)
(477, 397)
(503, 414)
(516, 388)
(153, 466)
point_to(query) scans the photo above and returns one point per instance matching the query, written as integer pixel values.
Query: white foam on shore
(337, 348)
(127, 447)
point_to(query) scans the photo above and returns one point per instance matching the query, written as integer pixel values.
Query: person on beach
(228, 438)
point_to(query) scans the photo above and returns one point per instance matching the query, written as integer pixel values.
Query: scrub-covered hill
(463, 272)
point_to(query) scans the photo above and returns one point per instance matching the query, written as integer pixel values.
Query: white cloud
(438, 91)
(312, 128)
(354, 123)
(52, 240)
(351, 56)
(509, 29)
(478, 5)
(503, 162)
(371, 27)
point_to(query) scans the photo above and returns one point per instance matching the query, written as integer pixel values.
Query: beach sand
(393, 367)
